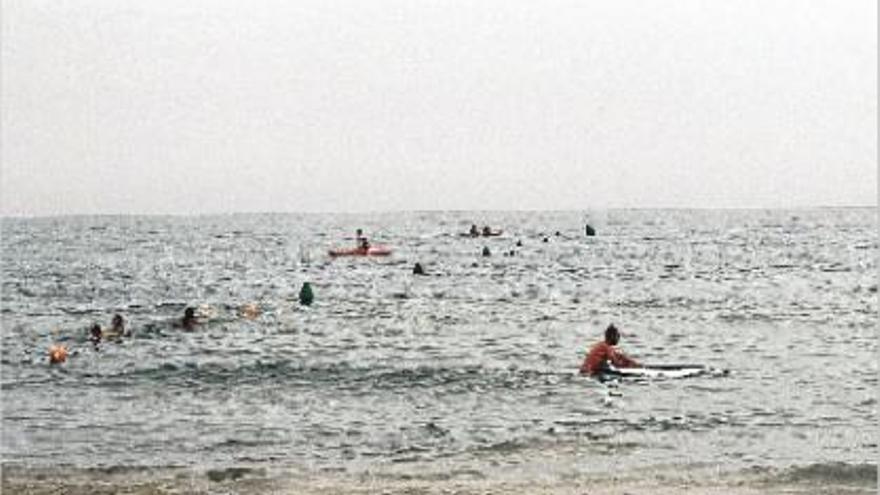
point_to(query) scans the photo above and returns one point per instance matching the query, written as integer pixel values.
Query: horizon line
(6, 216)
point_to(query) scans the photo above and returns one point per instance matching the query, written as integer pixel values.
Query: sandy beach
(842, 479)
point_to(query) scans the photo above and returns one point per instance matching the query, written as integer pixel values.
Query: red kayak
(371, 251)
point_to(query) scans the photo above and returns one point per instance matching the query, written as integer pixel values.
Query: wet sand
(698, 481)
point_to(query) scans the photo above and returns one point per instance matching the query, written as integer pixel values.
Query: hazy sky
(163, 106)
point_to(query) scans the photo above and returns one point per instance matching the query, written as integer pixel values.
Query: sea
(470, 371)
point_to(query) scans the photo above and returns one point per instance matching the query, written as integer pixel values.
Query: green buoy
(306, 296)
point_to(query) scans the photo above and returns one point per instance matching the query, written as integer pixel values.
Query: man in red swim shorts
(604, 352)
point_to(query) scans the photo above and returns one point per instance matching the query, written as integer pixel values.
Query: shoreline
(833, 478)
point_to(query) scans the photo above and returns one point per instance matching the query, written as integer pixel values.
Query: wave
(836, 473)
(339, 376)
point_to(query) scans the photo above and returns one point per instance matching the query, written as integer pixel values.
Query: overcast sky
(164, 106)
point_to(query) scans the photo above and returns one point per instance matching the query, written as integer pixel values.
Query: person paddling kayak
(604, 352)
(363, 244)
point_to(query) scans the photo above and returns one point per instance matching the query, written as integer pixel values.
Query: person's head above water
(117, 322)
(612, 335)
(95, 333)
(189, 318)
(57, 354)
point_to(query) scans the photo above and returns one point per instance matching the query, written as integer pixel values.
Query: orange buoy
(57, 354)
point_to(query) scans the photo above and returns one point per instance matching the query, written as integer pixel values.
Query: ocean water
(470, 370)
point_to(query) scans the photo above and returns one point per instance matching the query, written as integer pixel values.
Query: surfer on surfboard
(604, 352)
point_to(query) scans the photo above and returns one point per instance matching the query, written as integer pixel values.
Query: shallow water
(470, 369)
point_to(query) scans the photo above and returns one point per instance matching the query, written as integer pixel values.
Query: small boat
(370, 251)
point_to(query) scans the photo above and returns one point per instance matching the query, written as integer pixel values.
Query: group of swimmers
(596, 361)
(598, 357)
(59, 353)
(486, 232)
(116, 330)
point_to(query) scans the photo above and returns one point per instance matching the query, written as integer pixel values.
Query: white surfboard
(663, 371)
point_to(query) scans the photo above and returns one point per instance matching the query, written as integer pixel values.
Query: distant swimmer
(95, 335)
(250, 311)
(117, 324)
(418, 269)
(486, 251)
(487, 231)
(604, 352)
(206, 312)
(117, 327)
(57, 354)
(474, 232)
(189, 320)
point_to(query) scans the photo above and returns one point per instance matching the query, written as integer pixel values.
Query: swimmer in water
(189, 320)
(95, 335)
(57, 354)
(250, 311)
(117, 327)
